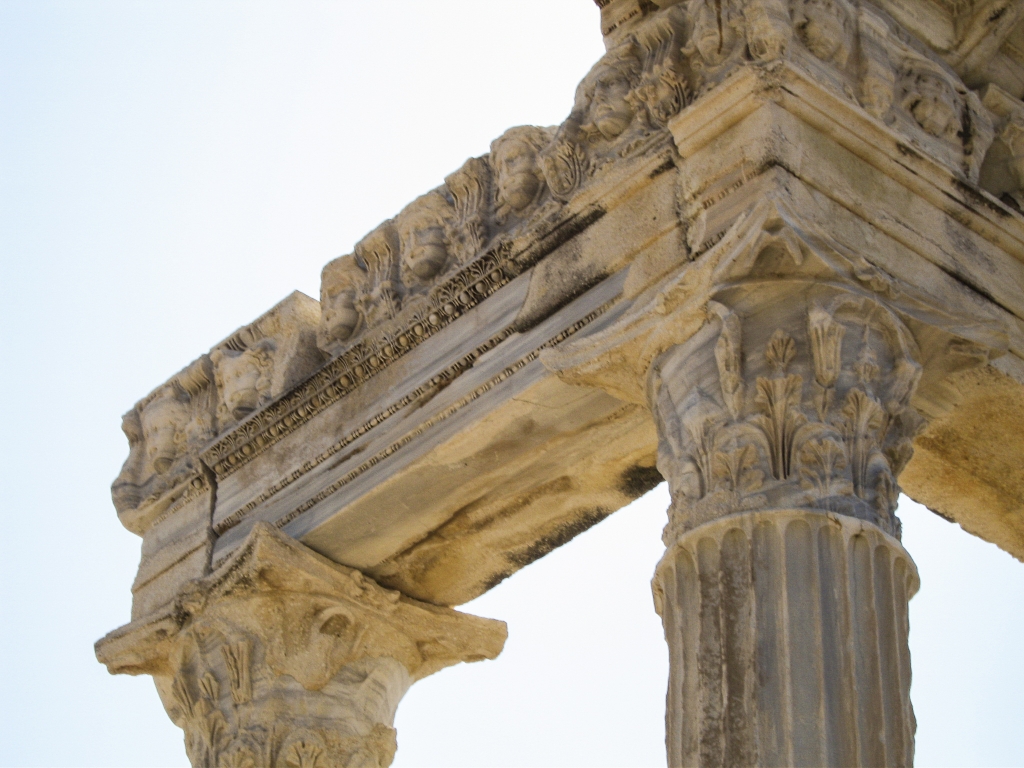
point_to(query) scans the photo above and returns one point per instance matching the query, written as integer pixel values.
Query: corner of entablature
(261, 361)
(165, 431)
(782, 240)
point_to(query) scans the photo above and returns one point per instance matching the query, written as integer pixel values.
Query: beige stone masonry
(282, 658)
(774, 255)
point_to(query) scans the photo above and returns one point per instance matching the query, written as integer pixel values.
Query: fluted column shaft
(787, 633)
(783, 425)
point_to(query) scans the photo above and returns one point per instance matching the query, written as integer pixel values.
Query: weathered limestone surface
(774, 255)
(283, 658)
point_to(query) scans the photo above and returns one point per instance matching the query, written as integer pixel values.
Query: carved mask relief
(243, 378)
(421, 228)
(610, 111)
(824, 27)
(715, 32)
(341, 282)
(163, 425)
(931, 100)
(515, 157)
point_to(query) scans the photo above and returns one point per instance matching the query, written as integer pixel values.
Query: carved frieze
(169, 428)
(783, 372)
(165, 431)
(283, 658)
(498, 214)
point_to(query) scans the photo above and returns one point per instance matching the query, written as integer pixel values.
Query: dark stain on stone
(638, 480)
(906, 151)
(977, 198)
(561, 535)
(665, 167)
(495, 580)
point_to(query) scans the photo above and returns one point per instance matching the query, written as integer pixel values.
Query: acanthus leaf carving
(282, 658)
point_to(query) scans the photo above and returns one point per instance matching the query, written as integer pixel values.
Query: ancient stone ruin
(774, 255)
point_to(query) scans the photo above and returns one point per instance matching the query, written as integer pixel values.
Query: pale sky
(170, 170)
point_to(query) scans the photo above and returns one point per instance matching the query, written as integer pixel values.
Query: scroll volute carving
(165, 432)
(264, 359)
(343, 282)
(379, 254)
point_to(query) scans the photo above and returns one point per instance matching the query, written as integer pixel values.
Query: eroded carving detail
(520, 182)
(165, 432)
(812, 423)
(342, 283)
(282, 658)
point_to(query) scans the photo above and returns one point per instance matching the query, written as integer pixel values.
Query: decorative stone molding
(787, 635)
(789, 230)
(283, 658)
(490, 221)
(165, 432)
(785, 375)
(261, 361)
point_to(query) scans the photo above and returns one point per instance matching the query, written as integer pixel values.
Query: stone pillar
(283, 658)
(783, 426)
(787, 378)
(787, 633)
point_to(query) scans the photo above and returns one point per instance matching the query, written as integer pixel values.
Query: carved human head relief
(424, 241)
(515, 156)
(824, 27)
(607, 89)
(163, 422)
(243, 378)
(341, 282)
(715, 31)
(930, 99)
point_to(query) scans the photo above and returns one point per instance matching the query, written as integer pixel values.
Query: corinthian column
(283, 658)
(787, 377)
(783, 426)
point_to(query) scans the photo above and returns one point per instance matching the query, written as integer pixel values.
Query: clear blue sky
(168, 171)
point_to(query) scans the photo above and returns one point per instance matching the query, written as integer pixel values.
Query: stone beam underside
(775, 255)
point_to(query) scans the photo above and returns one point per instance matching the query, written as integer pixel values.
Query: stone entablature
(776, 249)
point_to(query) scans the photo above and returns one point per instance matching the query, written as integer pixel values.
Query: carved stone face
(339, 291)
(162, 424)
(519, 180)
(932, 102)
(427, 250)
(424, 241)
(713, 33)
(610, 110)
(822, 28)
(240, 379)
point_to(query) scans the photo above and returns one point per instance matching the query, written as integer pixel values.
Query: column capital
(784, 369)
(282, 657)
